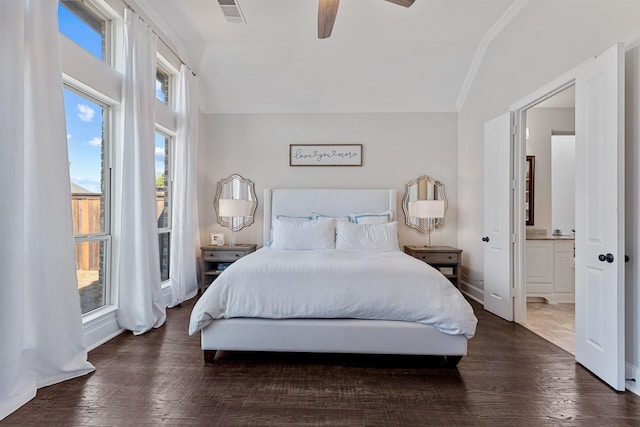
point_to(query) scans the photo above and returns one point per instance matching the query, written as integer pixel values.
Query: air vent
(231, 11)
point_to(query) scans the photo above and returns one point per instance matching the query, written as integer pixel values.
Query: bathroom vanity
(550, 268)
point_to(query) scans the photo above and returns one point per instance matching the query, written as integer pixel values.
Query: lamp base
(428, 242)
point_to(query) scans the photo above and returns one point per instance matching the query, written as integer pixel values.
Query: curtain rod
(128, 6)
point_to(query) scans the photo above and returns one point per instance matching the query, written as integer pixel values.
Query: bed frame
(329, 335)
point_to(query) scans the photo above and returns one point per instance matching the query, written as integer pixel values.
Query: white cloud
(160, 154)
(95, 142)
(159, 93)
(91, 184)
(85, 113)
(68, 136)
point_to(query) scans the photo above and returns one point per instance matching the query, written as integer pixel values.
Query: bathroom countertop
(551, 237)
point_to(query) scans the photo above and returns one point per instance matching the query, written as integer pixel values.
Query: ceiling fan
(328, 9)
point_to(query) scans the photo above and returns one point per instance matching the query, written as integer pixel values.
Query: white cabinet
(563, 267)
(539, 266)
(549, 270)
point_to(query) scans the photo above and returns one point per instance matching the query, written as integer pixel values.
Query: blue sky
(84, 117)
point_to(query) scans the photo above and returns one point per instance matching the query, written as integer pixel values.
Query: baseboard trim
(472, 292)
(632, 374)
(103, 325)
(101, 328)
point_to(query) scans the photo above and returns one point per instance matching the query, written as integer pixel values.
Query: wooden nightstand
(443, 258)
(216, 258)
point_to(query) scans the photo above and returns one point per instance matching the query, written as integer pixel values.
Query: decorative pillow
(303, 235)
(316, 216)
(371, 218)
(382, 237)
(294, 218)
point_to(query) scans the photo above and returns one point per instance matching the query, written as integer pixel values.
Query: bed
(333, 299)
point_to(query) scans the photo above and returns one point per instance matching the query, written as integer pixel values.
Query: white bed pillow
(371, 218)
(285, 218)
(316, 216)
(382, 237)
(303, 235)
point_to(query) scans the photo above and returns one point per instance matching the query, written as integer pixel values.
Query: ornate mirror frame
(235, 187)
(529, 196)
(423, 188)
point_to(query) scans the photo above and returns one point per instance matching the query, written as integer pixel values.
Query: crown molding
(502, 22)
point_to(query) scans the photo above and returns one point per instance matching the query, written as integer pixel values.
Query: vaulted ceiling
(380, 57)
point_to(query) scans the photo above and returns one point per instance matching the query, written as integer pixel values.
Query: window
(84, 25)
(89, 100)
(162, 85)
(164, 182)
(87, 140)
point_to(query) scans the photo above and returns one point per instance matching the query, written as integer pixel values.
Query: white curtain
(185, 240)
(41, 336)
(137, 265)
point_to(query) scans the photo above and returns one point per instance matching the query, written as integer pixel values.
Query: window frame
(170, 141)
(105, 235)
(166, 125)
(162, 70)
(102, 81)
(92, 8)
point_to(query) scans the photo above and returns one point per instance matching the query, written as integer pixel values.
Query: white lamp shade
(234, 207)
(413, 209)
(428, 208)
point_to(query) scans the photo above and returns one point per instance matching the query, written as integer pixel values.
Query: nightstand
(216, 258)
(446, 259)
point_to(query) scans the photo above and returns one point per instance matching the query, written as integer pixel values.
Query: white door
(600, 216)
(497, 218)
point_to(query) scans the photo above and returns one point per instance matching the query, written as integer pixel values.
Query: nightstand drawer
(222, 256)
(445, 259)
(452, 258)
(215, 259)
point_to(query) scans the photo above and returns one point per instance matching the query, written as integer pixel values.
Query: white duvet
(331, 283)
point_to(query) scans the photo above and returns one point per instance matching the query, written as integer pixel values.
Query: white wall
(632, 214)
(397, 148)
(547, 39)
(541, 122)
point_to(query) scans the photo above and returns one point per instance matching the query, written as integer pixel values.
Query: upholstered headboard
(325, 201)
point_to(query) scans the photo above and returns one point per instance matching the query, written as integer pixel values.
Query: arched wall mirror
(235, 203)
(423, 188)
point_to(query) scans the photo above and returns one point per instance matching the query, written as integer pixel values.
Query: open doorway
(599, 212)
(549, 210)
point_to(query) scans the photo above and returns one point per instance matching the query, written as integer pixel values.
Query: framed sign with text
(325, 155)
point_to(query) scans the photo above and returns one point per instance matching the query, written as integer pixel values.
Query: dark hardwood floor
(510, 377)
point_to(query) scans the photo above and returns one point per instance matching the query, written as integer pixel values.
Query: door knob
(485, 239)
(608, 257)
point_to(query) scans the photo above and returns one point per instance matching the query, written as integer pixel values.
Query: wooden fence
(87, 213)
(86, 209)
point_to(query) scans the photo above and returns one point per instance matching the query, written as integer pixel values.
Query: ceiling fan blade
(405, 3)
(327, 11)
